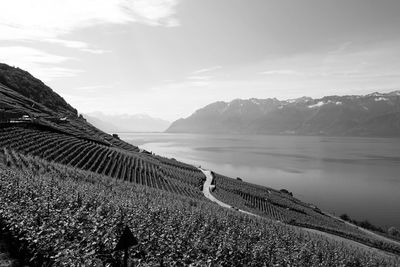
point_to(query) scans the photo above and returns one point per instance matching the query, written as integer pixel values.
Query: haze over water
(357, 176)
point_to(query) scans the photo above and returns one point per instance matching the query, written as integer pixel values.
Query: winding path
(207, 193)
(208, 187)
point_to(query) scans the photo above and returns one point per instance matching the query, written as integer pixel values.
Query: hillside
(62, 179)
(28, 86)
(375, 114)
(25, 100)
(84, 216)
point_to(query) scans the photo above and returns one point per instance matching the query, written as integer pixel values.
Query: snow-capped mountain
(376, 114)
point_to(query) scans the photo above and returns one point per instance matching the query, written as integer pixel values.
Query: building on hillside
(55, 119)
(14, 116)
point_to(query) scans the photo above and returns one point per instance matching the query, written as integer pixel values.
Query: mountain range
(126, 122)
(375, 114)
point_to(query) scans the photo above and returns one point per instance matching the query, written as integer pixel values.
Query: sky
(167, 58)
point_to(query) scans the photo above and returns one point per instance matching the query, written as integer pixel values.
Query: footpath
(208, 187)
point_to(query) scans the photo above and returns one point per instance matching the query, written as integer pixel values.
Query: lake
(357, 176)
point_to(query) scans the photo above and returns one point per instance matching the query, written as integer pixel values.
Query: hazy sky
(167, 58)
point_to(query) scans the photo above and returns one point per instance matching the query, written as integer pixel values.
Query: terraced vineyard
(84, 213)
(125, 165)
(168, 175)
(267, 201)
(41, 115)
(241, 195)
(62, 179)
(285, 208)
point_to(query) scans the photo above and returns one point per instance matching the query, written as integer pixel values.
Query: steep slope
(26, 100)
(28, 86)
(375, 114)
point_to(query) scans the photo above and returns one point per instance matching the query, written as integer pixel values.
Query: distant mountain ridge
(127, 122)
(376, 114)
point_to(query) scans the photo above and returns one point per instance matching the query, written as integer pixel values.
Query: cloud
(199, 83)
(12, 54)
(342, 48)
(206, 70)
(97, 88)
(92, 88)
(48, 19)
(51, 73)
(24, 22)
(152, 12)
(281, 72)
(199, 78)
(75, 44)
(40, 63)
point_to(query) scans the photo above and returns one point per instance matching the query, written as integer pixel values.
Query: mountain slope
(25, 84)
(375, 114)
(27, 100)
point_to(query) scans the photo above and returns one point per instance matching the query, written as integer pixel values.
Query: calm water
(357, 176)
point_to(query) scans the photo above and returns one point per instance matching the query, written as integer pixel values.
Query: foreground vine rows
(84, 213)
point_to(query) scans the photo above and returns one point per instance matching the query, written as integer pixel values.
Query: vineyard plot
(152, 171)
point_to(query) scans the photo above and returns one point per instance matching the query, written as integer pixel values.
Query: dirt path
(208, 187)
(207, 193)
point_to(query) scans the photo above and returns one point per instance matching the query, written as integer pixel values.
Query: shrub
(345, 217)
(285, 191)
(394, 231)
